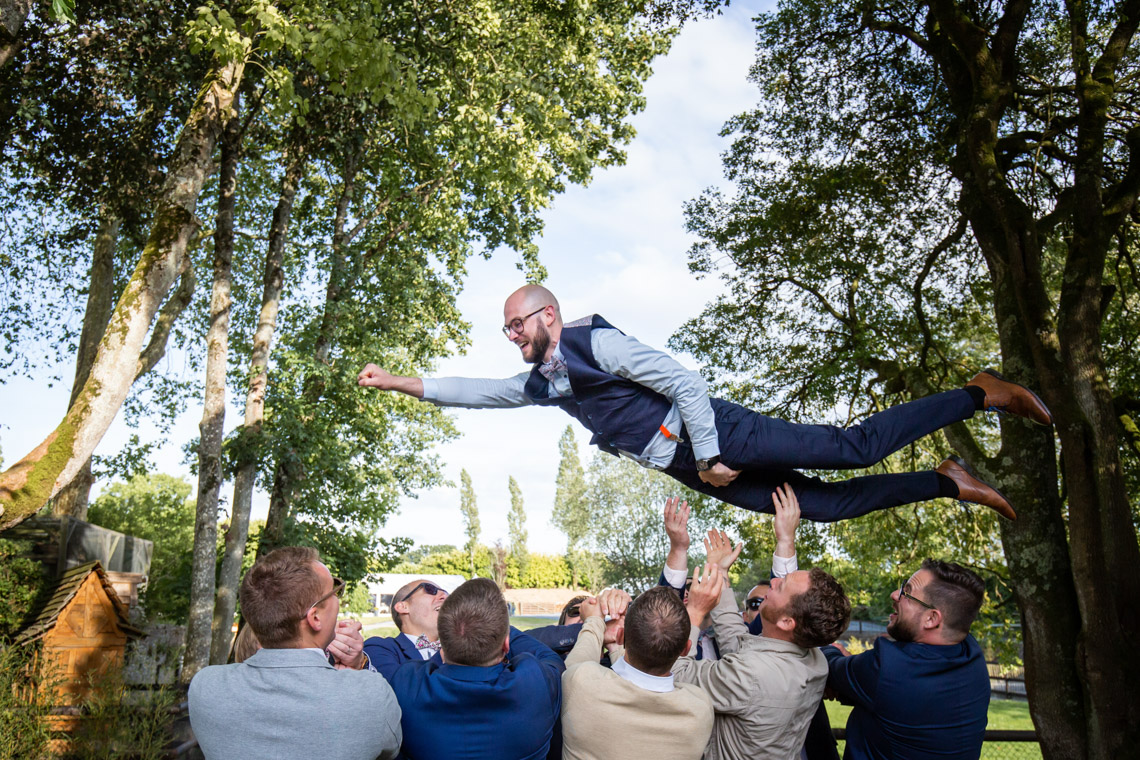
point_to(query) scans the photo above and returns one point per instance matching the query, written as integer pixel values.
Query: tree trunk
(72, 500)
(212, 425)
(13, 14)
(246, 475)
(285, 470)
(27, 485)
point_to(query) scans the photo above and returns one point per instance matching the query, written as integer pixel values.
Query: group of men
(677, 672)
(458, 682)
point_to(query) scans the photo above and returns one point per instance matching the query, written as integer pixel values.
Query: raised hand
(374, 377)
(704, 593)
(719, 549)
(347, 647)
(787, 520)
(677, 523)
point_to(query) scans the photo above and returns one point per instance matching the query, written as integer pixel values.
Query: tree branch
(937, 251)
(167, 317)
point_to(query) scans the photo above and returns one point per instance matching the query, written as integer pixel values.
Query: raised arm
(785, 524)
(378, 377)
(465, 392)
(676, 569)
(730, 627)
(730, 688)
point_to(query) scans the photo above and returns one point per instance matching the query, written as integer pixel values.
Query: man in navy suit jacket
(415, 610)
(495, 694)
(927, 692)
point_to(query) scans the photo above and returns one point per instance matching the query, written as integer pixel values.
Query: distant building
(383, 590)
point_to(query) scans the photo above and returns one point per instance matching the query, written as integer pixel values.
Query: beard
(539, 344)
(900, 631)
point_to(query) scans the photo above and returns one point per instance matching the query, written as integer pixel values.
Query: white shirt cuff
(781, 566)
(675, 578)
(431, 389)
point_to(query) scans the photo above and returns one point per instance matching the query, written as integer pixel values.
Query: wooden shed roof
(66, 589)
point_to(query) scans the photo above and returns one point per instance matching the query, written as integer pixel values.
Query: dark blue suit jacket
(503, 712)
(388, 654)
(913, 700)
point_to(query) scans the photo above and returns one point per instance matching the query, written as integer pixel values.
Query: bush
(24, 704)
(22, 582)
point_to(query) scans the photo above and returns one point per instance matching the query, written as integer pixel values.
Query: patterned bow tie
(552, 368)
(423, 643)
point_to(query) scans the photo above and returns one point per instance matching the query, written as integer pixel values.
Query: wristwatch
(707, 464)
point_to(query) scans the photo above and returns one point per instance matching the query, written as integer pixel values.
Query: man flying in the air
(641, 403)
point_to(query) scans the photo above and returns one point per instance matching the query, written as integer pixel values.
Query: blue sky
(616, 247)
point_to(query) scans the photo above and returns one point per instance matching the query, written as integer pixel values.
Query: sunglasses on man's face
(753, 602)
(429, 588)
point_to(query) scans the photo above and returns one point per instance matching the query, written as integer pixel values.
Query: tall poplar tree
(470, 512)
(516, 525)
(571, 513)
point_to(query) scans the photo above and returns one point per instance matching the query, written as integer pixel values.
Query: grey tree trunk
(246, 475)
(13, 14)
(212, 425)
(72, 500)
(41, 474)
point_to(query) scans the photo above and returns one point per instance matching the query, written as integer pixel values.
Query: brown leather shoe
(1004, 396)
(973, 490)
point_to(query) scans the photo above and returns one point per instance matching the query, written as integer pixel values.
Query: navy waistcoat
(623, 415)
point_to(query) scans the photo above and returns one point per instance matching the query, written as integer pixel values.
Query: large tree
(927, 188)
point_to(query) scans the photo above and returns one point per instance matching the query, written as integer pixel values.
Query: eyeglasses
(753, 603)
(337, 590)
(430, 588)
(903, 592)
(516, 324)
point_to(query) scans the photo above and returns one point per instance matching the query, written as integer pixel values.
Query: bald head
(533, 322)
(528, 298)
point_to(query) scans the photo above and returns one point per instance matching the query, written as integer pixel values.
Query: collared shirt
(619, 355)
(659, 684)
(424, 653)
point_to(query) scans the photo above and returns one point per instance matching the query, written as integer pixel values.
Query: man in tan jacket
(635, 709)
(767, 688)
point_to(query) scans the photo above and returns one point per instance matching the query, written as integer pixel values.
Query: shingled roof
(66, 589)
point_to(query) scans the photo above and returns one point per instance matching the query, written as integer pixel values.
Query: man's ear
(507, 644)
(688, 646)
(932, 620)
(786, 623)
(314, 620)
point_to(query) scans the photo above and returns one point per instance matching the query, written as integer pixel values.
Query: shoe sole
(970, 471)
(999, 376)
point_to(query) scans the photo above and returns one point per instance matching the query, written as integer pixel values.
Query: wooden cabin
(84, 627)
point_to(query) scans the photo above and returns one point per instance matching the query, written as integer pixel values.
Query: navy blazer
(389, 653)
(913, 700)
(502, 712)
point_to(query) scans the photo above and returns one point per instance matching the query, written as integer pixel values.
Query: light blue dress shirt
(619, 355)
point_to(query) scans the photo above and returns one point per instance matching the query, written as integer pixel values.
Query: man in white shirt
(634, 709)
(641, 403)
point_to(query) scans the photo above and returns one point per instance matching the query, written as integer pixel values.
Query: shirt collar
(660, 684)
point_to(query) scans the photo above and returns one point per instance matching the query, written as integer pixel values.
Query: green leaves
(63, 11)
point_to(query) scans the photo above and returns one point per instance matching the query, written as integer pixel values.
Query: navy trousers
(769, 451)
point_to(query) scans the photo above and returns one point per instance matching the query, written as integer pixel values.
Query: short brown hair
(821, 613)
(473, 622)
(656, 629)
(956, 592)
(575, 602)
(277, 592)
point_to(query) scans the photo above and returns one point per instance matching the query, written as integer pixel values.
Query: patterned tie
(552, 368)
(423, 643)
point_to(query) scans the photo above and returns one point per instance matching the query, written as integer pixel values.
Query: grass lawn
(1005, 714)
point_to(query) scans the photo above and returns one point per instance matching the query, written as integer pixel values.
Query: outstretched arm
(676, 569)
(378, 377)
(466, 392)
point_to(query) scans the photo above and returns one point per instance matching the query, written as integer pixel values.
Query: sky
(616, 247)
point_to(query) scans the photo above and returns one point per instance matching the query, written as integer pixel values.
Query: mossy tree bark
(41, 474)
